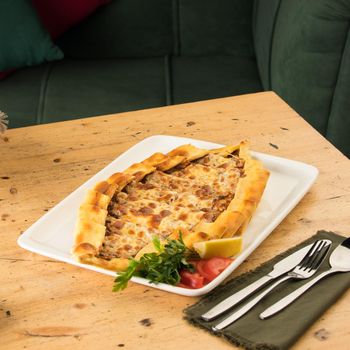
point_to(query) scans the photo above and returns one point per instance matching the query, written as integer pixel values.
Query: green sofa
(135, 54)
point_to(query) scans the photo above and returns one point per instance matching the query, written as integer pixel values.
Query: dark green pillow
(23, 40)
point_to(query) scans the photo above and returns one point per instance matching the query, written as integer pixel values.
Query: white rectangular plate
(52, 234)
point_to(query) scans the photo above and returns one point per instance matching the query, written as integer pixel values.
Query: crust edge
(232, 221)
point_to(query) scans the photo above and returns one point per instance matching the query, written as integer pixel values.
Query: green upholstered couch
(134, 54)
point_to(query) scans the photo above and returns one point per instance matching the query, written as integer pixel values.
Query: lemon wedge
(148, 248)
(225, 247)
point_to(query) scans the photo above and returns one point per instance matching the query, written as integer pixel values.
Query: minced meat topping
(166, 201)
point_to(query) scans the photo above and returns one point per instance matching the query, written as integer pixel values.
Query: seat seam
(346, 41)
(176, 28)
(254, 22)
(42, 94)
(271, 43)
(167, 78)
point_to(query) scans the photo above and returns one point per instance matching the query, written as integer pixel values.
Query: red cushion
(3, 75)
(59, 15)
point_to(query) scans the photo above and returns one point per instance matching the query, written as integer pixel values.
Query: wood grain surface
(46, 304)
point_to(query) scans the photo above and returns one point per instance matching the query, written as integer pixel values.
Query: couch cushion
(208, 27)
(23, 40)
(59, 15)
(338, 131)
(123, 28)
(72, 89)
(20, 94)
(307, 49)
(264, 19)
(133, 28)
(200, 78)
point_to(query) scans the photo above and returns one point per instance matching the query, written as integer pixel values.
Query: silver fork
(305, 269)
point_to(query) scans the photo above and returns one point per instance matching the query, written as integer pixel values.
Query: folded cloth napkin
(283, 329)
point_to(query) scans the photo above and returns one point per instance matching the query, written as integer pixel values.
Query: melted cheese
(164, 202)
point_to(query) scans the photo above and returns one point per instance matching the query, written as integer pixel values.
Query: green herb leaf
(157, 244)
(160, 267)
(122, 279)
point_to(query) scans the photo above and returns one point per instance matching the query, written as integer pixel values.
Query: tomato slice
(206, 271)
(201, 270)
(191, 280)
(211, 268)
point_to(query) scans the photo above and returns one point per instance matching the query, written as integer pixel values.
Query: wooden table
(46, 304)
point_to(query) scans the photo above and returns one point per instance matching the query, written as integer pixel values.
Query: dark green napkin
(283, 329)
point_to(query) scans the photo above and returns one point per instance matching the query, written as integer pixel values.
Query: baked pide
(205, 194)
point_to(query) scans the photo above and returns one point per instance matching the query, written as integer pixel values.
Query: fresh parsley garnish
(161, 266)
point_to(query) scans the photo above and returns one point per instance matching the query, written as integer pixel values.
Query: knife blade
(280, 268)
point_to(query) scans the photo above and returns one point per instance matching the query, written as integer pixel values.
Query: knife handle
(288, 299)
(235, 298)
(245, 308)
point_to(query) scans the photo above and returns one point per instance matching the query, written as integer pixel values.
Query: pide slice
(204, 194)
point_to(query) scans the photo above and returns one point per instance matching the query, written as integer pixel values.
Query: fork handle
(245, 308)
(288, 299)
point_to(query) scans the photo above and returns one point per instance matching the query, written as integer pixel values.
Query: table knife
(280, 268)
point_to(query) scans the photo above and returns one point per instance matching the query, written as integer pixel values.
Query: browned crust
(236, 217)
(90, 228)
(189, 152)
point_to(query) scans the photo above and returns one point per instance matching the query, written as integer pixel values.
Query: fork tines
(315, 255)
